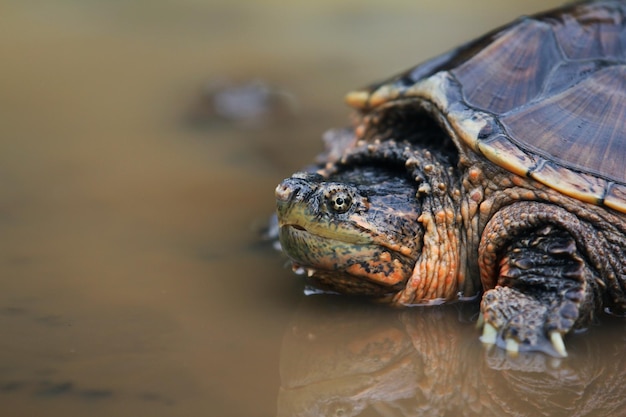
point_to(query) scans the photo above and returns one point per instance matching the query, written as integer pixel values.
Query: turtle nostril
(298, 187)
(285, 192)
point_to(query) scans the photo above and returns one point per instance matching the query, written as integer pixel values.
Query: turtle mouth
(340, 258)
(328, 233)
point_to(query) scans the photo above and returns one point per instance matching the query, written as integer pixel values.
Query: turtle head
(354, 231)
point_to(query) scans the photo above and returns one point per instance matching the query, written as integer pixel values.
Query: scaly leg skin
(542, 293)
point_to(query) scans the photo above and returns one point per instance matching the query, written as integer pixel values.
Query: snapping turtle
(497, 169)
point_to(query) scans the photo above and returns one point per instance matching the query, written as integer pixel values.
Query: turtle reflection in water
(497, 169)
(389, 362)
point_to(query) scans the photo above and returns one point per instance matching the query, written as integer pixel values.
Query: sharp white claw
(489, 334)
(557, 342)
(512, 346)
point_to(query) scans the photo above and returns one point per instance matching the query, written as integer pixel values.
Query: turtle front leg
(542, 292)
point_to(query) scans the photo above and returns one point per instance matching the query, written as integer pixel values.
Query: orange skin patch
(437, 272)
(475, 174)
(381, 265)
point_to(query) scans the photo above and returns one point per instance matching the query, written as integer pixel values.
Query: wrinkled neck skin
(441, 270)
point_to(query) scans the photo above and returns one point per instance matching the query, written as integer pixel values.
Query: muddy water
(133, 279)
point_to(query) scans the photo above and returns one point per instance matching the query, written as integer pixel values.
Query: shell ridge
(535, 113)
(551, 88)
(539, 163)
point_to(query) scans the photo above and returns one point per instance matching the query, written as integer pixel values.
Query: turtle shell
(544, 97)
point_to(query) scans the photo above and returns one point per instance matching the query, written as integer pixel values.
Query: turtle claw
(518, 323)
(512, 346)
(490, 334)
(557, 343)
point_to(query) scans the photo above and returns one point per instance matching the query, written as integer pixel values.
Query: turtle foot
(518, 322)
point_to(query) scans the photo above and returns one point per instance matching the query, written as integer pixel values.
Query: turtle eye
(340, 201)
